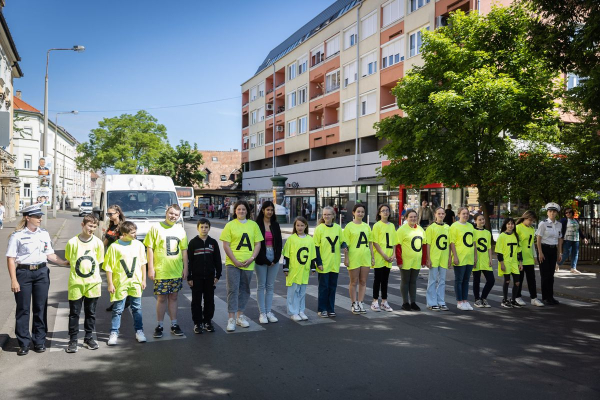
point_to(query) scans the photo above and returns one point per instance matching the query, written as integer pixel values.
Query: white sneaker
(231, 325)
(385, 306)
(375, 306)
(520, 301)
(536, 302)
(460, 306)
(574, 271)
(262, 318)
(467, 306)
(242, 321)
(361, 307)
(303, 316)
(112, 339)
(355, 309)
(140, 337)
(296, 318)
(271, 317)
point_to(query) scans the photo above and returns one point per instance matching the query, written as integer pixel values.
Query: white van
(143, 198)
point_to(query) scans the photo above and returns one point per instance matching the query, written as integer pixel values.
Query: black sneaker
(72, 346)
(208, 327)
(554, 301)
(515, 304)
(415, 307)
(406, 307)
(506, 304)
(198, 328)
(90, 344)
(158, 332)
(176, 330)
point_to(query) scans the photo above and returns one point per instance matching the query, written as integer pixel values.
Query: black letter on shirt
(332, 243)
(245, 242)
(129, 273)
(302, 258)
(440, 245)
(465, 239)
(78, 264)
(387, 241)
(412, 243)
(362, 239)
(169, 247)
(512, 251)
(481, 242)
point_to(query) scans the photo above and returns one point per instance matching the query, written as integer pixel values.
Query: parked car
(85, 208)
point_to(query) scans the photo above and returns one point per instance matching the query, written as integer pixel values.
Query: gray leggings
(408, 285)
(238, 288)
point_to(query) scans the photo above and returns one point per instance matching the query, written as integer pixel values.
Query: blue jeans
(265, 282)
(327, 288)
(296, 298)
(238, 288)
(136, 312)
(571, 248)
(436, 286)
(462, 275)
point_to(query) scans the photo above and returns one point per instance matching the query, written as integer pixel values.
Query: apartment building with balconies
(308, 111)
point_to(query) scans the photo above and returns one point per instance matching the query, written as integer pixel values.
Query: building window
(350, 37)
(261, 114)
(27, 190)
(392, 12)
(350, 73)
(261, 89)
(367, 103)
(302, 95)
(572, 81)
(369, 25)
(223, 178)
(302, 64)
(350, 110)
(253, 116)
(260, 138)
(416, 4)
(245, 143)
(215, 159)
(332, 81)
(292, 128)
(416, 40)
(291, 71)
(317, 56)
(27, 162)
(368, 64)
(392, 53)
(302, 125)
(333, 46)
(291, 100)
(252, 141)
(253, 93)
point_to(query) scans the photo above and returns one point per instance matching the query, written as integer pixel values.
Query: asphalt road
(529, 353)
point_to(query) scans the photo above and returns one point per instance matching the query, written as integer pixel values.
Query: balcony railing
(280, 85)
(245, 104)
(332, 89)
(389, 107)
(316, 96)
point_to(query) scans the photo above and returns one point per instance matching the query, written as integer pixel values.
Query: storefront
(301, 202)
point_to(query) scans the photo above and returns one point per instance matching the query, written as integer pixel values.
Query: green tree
(480, 92)
(182, 164)
(130, 144)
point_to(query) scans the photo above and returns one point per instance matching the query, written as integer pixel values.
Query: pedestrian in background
(549, 249)
(111, 233)
(425, 215)
(464, 257)
(241, 239)
(450, 216)
(410, 238)
(328, 245)
(267, 261)
(358, 257)
(510, 261)
(572, 234)
(384, 243)
(438, 261)
(526, 234)
(483, 243)
(29, 249)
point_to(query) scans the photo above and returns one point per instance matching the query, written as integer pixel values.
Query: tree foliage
(130, 144)
(481, 90)
(183, 164)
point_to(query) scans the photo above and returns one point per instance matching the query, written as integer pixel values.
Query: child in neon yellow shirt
(483, 243)
(510, 261)
(384, 243)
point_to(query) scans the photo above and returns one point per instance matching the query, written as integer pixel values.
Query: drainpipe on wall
(356, 155)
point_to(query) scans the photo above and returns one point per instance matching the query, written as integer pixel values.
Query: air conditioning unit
(270, 107)
(441, 21)
(279, 128)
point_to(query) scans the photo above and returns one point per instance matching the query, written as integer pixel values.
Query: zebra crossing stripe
(60, 333)
(280, 306)
(149, 319)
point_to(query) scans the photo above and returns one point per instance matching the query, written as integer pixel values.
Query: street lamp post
(55, 175)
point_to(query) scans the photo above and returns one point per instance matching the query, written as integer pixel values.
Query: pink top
(269, 239)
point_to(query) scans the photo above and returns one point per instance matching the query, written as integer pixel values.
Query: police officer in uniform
(549, 249)
(29, 249)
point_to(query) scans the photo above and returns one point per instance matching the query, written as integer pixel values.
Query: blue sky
(150, 53)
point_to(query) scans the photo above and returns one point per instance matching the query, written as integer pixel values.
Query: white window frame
(27, 190)
(261, 114)
(215, 159)
(368, 103)
(253, 93)
(332, 46)
(253, 117)
(319, 53)
(395, 8)
(302, 95)
(302, 64)
(418, 37)
(291, 125)
(416, 4)
(350, 36)
(291, 100)
(389, 49)
(347, 75)
(328, 86)
(368, 25)
(302, 125)
(368, 61)
(572, 80)
(349, 109)
(292, 69)
(260, 139)
(26, 158)
(253, 141)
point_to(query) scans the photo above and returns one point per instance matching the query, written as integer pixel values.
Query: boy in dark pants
(204, 273)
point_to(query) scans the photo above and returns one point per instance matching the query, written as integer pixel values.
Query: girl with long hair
(483, 242)
(464, 256)
(510, 261)
(410, 238)
(526, 234)
(384, 242)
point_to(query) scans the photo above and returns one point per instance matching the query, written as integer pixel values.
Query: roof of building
(9, 36)
(21, 105)
(329, 15)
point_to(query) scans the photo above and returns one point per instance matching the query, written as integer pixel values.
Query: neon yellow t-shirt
(301, 252)
(126, 263)
(329, 241)
(385, 236)
(526, 241)
(436, 236)
(462, 235)
(241, 238)
(358, 237)
(483, 242)
(168, 243)
(508, 246)
(85, 259)
(412, 241)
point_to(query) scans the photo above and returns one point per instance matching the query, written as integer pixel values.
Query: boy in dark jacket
(204, 273)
